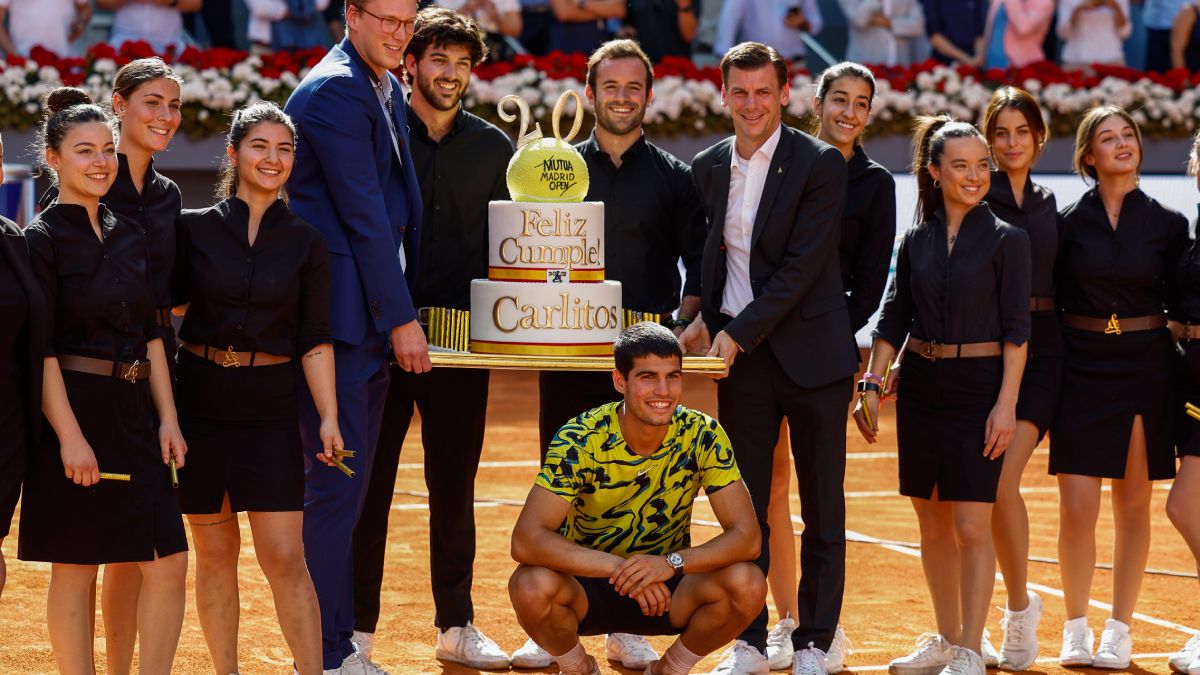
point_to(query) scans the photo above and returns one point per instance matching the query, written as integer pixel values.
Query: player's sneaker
(1183, 658)
(933, 653)
(1116, 646)
(839, 649)
(809, 661)
(1020, 647)
(779, 644)
(356, 664)
(965, 662)
(531, 655)
(742, 659)
(1076, 643)
(991, 658)
(631, 651)
(364, 643)
(468, 646)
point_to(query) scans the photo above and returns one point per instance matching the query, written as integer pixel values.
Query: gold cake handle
(525, 116)
(558, 111)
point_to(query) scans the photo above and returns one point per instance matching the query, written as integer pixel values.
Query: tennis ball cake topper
(545, 169)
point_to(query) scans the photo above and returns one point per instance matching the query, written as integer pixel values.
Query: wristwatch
(676, 561)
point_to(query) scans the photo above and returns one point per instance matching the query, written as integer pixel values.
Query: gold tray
(691, 364)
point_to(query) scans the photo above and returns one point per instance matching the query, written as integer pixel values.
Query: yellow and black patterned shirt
(624, 503)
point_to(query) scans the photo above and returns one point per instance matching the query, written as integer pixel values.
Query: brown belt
(130, 372)
(231, 359)
(1114, 325)
(936, 350)
(1190, 331)
(162, 317)
(1041, 304)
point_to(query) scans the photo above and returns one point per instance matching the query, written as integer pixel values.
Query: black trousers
(453, 407)
(751, 403)
(563, 395)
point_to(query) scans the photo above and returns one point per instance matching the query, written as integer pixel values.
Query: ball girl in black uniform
(107, 397)
(1118, 252)
(960, 297)
(1016, 134)
(1183, 505)
(842, 105)
(256, 281)
(23, 324)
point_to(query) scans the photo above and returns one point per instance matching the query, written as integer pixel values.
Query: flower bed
(687, 99)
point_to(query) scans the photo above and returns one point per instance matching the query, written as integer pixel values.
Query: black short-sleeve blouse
(1038, 217)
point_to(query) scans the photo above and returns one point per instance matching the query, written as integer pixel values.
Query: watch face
(674, 560)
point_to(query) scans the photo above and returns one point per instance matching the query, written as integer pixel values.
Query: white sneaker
(933, 653)
(779, 644)
(1194, 667)
(531, 655)
(468, 646)
(1182, 659)
(1020, 647)
(1116, 646)
(356, 664)
(1076, 643)
(839, 649)
(991, 658)
(364, 643)
(742, 659)
(631, 651)
(965, 662)
(809, 661)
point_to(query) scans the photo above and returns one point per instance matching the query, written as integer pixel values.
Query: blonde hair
(1088, 124)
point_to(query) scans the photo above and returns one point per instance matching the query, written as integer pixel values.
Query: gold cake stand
(453, 359)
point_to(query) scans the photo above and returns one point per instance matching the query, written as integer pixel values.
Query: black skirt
(941, 416)
(13, 450)
(1187, 429)
(1108, 379)
(1041, 384)
(112, 521)
(243, 437)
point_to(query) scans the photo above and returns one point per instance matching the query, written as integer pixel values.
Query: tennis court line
(534, 464)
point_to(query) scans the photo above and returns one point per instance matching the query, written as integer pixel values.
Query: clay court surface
(886, 604)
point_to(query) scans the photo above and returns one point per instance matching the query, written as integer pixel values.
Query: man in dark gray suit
(773, 302)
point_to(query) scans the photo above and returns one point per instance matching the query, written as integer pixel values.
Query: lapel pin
(779, 169)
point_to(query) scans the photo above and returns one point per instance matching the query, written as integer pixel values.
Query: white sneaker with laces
(839, 649)
(991, 658)
(933, 653)
(1020, 647)
(809, 661)
(531, 655)
(1194, 667)
(742, 659)
(468, 646)
(1076, 643)
(1116, 646)
(631, 651)
(364, 643)
(1182, 659)
(356, 664)
(779, 644)
(965, 662)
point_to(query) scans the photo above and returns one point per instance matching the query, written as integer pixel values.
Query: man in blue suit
(354, 181)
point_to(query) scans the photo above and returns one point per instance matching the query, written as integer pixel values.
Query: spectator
(582, 25)
(277, 25)
(661, 27)
(1159, 16)
(536, 20)
(1016, 31)
(1185, 38)
(884, 31)
(955, 29)
(217, 17)
(708, 12)
(778, 23)
(335, 19)
(1093, 31)
(159, 22)
(53, 24)
(499, 19)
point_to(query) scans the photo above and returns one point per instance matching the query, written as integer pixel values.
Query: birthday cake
(545, 294)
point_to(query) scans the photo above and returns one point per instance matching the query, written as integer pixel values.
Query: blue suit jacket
(348, 184)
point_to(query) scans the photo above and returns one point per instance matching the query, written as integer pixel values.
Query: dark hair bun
(65, 97)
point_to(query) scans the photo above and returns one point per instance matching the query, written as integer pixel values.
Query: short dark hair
(619, 49)
(441, 27)
(752, 56)
(644, 339)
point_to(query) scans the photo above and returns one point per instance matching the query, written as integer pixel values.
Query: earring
(937, 184)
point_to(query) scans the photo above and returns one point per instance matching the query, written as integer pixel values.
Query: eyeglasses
(390, 24)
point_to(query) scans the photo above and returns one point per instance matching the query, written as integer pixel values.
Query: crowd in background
(1155, 35)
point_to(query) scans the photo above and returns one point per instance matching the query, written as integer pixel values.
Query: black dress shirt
(1128, 271)
(99, 291)
(652, 217)
(1038, 216)
(1189, 284)
(271, 297)
(458, 175)
(979, 292)
(14, 313)
(868, 233)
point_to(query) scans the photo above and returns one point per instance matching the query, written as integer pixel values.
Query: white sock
(574, 661)
(678, 659)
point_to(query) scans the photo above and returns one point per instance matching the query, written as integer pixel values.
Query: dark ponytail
(834, 73)
(66, 108)
(244, 120)
(929, 141)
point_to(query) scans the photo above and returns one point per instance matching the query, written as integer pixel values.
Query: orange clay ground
(886, 603)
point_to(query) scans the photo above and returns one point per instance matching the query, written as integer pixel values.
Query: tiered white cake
(545, 293)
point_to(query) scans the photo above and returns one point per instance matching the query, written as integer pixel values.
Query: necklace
(953, 238)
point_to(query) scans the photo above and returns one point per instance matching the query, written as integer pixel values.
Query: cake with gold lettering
(545, 294)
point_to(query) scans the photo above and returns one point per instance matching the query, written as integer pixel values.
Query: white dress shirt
(746, 180)
(763, 21)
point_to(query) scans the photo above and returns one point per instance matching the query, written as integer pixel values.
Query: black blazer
(799, 305)
(16, 254)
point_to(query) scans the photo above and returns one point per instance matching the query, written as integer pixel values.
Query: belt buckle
(1113, 327)
(131, 374)
(230, 359)
(931, 351)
